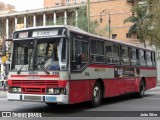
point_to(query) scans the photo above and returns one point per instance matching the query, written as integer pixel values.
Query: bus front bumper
(60, 99)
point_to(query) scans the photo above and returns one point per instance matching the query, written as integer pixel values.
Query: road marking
(2, 99)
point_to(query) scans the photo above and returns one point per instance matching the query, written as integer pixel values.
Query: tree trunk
(144, 43)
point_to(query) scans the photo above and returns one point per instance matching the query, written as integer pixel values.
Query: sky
(21, 5)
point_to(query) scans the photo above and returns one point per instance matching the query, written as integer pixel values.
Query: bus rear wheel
(142, 89)
(96, 95)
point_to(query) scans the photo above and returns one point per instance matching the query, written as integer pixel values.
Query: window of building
(75, 1)
(114, 36)
(128, 35)
(82, 1)
(67, 1)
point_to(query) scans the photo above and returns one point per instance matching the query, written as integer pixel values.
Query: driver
(51, 64)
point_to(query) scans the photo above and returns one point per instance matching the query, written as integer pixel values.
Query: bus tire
(96, 95)
(142, 88)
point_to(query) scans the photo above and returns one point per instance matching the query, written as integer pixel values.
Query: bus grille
(34, 83)
(33, 90)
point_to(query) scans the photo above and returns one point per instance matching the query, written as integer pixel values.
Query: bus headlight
(50, 91)
(56, 91)
(15, 90)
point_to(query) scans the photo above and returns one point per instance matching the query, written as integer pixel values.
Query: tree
(140, 22)
(82, 22)
(155, 26)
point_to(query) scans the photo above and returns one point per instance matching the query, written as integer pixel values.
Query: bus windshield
(40, 54)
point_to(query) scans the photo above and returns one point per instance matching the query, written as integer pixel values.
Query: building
(53, 9)
(4, 9)
(119, 10)
(53, 3)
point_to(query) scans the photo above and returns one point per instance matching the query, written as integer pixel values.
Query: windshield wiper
(44, 69)
(19, 71)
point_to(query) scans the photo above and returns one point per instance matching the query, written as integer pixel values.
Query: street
(121, 106)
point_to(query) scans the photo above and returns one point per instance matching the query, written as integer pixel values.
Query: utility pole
(88, 6)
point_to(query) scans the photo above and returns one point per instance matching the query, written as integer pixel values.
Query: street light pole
(88, 5)
(109, 20)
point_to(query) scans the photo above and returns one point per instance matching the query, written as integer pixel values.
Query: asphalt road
(122, 107)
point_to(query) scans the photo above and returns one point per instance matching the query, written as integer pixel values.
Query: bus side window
(81, 54)
(153, 59)
(108, 46)
(137, 57)
(149, 59)
(133, 55)
(97, 51)
(124, 55)
(142, 58)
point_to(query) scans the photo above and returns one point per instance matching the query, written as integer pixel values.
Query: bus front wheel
(96, 95)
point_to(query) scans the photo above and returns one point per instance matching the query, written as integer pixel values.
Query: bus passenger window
(81, 54)
(97, 51)
(124, 55)
(134, 56)
(112, 53)
(142, 58)
(153, 59)
(148, 58)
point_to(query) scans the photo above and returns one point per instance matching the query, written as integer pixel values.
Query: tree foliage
(155, 20)
(82, 21)
(141, 22)
(146, 22)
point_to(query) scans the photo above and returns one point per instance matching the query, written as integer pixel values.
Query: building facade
(119, 10)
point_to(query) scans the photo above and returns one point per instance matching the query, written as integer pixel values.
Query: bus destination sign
(44, 33)
(23, 35)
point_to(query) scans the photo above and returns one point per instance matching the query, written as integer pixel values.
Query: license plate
(51, 99)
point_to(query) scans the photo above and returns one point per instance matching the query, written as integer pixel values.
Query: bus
(63, 64)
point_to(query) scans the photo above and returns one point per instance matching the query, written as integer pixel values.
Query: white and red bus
(66, 65)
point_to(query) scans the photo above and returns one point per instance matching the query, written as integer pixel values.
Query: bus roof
(80, 31)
